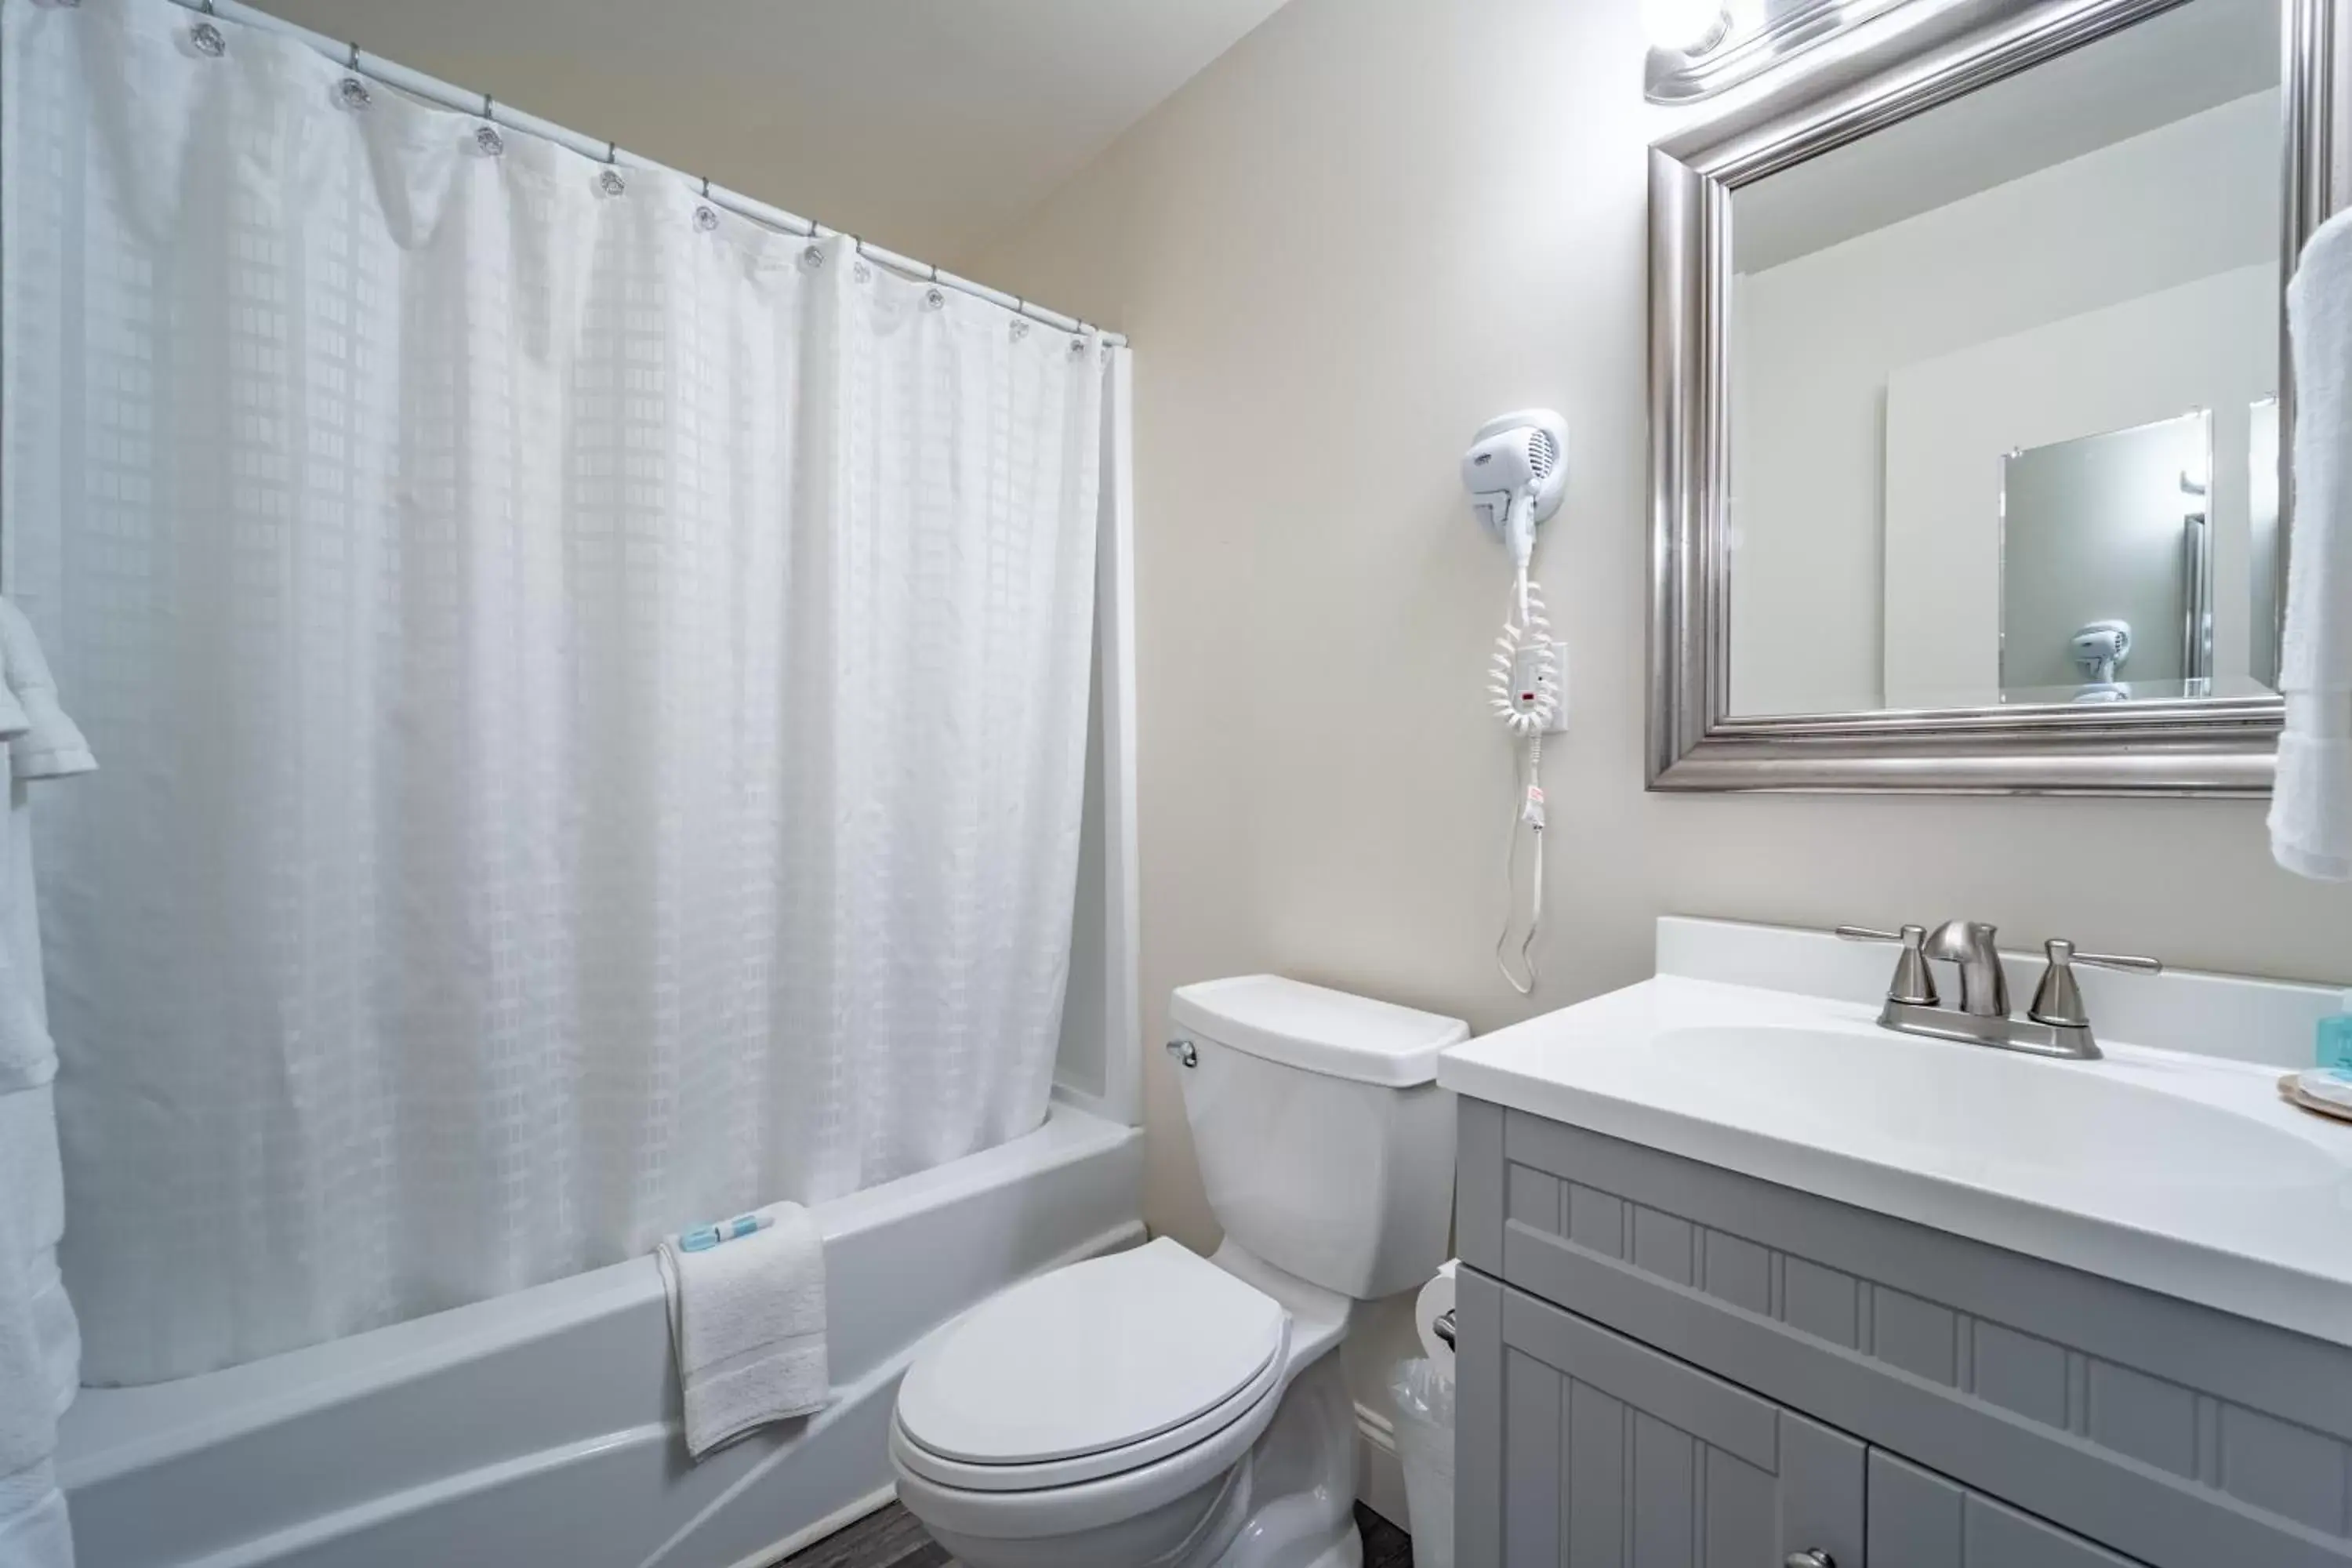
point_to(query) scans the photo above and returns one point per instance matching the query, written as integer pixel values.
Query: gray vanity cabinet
(1919, 1519)
(1663, 1362)
(1608, 1453)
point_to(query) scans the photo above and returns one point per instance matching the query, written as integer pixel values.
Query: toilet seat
(1089, 1372)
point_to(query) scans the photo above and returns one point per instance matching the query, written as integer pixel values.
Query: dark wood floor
(891, 1539)
(1385, 1546)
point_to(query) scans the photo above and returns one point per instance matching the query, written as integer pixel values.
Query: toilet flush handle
(1185, 1052)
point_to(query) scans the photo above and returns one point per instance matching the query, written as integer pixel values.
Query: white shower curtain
(593, 693)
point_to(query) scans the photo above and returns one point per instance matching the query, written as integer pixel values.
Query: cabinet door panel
(1596, 1531)
(1611, 1456)
(1920, 1519)
(1533, 1398)
(1668, 1465)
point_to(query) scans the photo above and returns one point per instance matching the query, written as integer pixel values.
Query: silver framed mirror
(1967, 369)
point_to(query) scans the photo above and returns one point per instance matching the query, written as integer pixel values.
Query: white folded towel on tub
(747, 1322)
(2311, 804)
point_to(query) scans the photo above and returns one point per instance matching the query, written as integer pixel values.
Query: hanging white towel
(41, 1341)
(51, 745)
(36, 1202)
(33, 1529)
(747, 1322)
(13, 723)
(27, 1059)
(2311, 807)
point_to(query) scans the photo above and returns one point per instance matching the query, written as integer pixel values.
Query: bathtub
(542, 1427)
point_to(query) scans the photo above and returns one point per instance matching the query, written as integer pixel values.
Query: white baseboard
(1379, 1476)
(839, 1520)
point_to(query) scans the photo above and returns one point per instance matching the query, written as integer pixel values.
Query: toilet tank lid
(1318, 1030)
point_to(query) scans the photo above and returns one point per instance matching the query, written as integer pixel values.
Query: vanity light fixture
(1701, 48)
(1686, 26)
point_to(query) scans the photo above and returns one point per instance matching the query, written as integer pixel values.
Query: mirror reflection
(2002, 383)
(2106, 567)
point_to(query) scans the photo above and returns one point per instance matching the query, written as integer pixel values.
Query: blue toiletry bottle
(703, 1238)
(2336, 1038)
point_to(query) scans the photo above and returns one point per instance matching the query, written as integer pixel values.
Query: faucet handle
(2058, 1000)
(2112, 960)
(1914, 983)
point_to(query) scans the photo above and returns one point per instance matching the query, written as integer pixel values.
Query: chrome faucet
(2056, 1025)
(1984, 987)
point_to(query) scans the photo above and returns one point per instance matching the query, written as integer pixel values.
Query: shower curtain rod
(433, 89)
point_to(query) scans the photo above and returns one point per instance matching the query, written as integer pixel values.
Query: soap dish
(2291, 1090)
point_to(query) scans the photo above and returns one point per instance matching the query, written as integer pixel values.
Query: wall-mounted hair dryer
(2100, 649)
(1516, 471)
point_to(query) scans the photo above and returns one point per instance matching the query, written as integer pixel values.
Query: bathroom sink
(2177, 1170)
(1977, 1114)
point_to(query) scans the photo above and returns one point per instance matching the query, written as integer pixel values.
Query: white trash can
(1424, 1440)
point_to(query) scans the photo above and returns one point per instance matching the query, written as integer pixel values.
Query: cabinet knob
(1807, 1560)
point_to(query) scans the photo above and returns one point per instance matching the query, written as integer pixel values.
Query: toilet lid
(1099, 1355)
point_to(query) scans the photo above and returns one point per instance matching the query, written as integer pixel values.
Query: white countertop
(2179, 1170)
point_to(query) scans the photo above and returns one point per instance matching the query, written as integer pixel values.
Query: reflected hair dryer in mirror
(2100, 649)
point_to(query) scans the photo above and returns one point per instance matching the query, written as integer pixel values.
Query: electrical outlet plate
(1524, 691)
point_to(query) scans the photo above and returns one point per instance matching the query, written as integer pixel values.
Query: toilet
(1158, 1409)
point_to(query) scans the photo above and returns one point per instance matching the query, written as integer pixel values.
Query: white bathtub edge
(110, 1431)
(487, 1424)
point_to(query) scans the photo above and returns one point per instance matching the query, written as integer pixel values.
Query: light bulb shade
(1688, 26)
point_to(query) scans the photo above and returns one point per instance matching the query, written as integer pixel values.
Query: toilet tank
(1325, 1143)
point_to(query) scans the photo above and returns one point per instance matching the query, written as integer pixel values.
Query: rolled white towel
(51, 745)
(2311, 804)
(747, 1322)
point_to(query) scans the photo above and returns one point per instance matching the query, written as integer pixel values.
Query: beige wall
(1367, 228)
